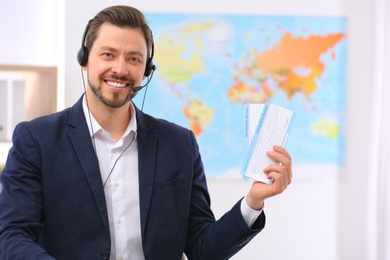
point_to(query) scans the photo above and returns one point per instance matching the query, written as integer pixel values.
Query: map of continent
(209, 66)
(292, 66)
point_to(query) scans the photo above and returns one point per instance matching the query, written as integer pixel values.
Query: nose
(120, 67)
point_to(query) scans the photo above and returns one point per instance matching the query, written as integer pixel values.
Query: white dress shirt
(118, 163)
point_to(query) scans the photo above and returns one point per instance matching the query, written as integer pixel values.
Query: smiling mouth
(116, 84)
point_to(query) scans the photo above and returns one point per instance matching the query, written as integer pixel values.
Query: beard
(117, 99)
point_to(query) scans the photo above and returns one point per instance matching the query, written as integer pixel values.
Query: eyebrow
(108, 48)
(111, 49)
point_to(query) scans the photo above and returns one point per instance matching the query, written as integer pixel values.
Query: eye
(135, 59)
(107, 55)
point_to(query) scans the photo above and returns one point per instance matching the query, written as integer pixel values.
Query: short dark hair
(122, 16)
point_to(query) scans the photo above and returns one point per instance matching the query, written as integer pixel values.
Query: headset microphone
(138, 88)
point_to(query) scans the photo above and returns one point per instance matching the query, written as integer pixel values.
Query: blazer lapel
(83, 147)
(147, 147)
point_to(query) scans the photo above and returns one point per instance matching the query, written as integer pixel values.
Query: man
(103, 180)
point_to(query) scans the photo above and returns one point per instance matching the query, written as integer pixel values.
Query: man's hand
(281, 173)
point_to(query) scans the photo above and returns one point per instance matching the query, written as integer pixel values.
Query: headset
(82, 54)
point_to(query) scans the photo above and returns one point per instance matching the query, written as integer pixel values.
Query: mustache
(129, 80)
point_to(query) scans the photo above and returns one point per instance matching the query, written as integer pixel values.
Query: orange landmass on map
(199, 116)
(279, 65)
(242, 92)
(293, 52)
(294, 83)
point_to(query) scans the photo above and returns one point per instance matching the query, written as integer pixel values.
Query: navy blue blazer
(53, 204)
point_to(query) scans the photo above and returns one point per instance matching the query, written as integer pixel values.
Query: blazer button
(105, 255)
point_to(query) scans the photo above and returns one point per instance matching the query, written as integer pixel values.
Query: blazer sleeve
(209, 238)
(21, 200)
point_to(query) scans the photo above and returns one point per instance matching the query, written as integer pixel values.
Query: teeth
(116, 84)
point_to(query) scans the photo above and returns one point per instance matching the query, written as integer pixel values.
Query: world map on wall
(208, 66)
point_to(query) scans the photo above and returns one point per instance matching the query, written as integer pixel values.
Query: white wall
(28, 32)
(312, 219)
(352, 188)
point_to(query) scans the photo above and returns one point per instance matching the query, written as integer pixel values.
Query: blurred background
(342, 217)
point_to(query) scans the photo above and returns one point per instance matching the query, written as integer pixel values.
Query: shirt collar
(94, 127)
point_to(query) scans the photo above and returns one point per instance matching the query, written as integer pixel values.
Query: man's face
(116, 64)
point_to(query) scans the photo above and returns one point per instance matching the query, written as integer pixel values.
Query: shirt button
(118, 221)
(104, 254)
(121, 258)
(116, 184)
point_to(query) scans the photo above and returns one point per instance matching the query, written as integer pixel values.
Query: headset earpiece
(149, 67)
(82, 54)
(149, 64)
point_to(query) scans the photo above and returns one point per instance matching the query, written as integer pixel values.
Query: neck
(113, 120)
